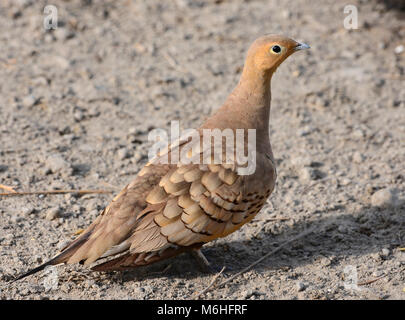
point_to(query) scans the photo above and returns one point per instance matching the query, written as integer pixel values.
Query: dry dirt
(77, 103)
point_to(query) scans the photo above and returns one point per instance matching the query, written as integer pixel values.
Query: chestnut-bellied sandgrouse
(200, 192)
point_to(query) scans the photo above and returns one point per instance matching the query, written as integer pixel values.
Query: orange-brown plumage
(171, 208)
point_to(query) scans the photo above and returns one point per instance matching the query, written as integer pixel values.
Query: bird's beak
(301, 46)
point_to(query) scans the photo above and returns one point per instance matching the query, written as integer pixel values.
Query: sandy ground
(76, 106)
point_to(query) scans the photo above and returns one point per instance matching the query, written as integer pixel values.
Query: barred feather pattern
(170, 207)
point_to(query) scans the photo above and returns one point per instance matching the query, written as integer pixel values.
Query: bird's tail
(35, 270)
(62, 257)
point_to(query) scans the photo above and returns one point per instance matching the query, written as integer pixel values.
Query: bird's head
(269, 51)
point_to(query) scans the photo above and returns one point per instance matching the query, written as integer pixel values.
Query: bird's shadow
(333, 236)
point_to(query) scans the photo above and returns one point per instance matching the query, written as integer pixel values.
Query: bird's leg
(201, 259)
(203, 262)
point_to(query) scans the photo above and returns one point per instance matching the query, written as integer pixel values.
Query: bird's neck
(247, 107)
(254, 93)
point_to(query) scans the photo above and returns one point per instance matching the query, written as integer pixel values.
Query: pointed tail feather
(35, 270)
(67, 252)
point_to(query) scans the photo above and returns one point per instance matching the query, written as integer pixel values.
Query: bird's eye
(276, 49)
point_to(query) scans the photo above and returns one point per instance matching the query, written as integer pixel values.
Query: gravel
(77, 105)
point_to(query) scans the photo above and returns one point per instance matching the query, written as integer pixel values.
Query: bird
(171, 208)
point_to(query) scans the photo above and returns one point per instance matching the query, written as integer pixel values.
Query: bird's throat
(251, 98)
(247, 107)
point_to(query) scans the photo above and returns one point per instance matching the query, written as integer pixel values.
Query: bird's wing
(196, 203)
(170, 205)
(117, 221)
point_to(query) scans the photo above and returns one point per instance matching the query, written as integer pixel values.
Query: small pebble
(385, 252)
(300, 286)
(358, 134)
(383, 198)
(27, 210)
(301, 161)
(122, 153)
(62, 244)
(62, 34)
(78, 115)
(40, 81)
(305, 174)
(53, 213)
(358, 157)
(29, 101)
(345, 181)
(399, 49)
(247, 294)
(377, 273)
(60, 62)
(342, 229)
(286, 14)
(91, 205)
(56, 163)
